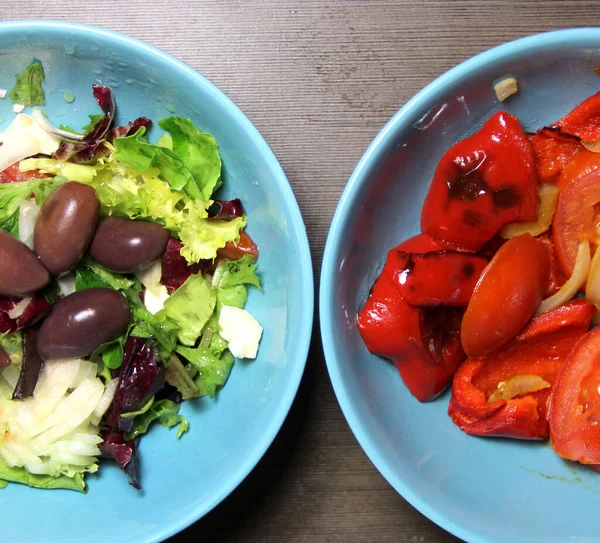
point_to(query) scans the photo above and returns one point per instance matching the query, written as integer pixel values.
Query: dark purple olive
(65, 226)
(126, 245)
(82, 321)
(21, 272)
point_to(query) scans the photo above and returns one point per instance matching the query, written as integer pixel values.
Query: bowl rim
(349, 198)
(303, 323)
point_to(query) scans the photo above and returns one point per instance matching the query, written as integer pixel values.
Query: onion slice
(592, 287)
(518, 386)
(593, 146)
(575, 282)
(41, 119)
(548, 195)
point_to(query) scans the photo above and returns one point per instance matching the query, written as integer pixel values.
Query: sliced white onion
(28, 214)
(548, 195)
(592, 287)
(593, 146)
(41, 119)
(574, 283)
(56, 378)
(517, 386)
(105, 401)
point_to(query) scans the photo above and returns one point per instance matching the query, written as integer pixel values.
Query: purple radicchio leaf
(31, 366)
(86, 151)
(226, 209)
(124, 452)
(141, 377)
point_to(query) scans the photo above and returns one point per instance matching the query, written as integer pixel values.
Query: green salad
(123, 282)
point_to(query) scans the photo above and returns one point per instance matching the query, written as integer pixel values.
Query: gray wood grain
(319, 79)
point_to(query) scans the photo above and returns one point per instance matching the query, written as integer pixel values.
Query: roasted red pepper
(435, 278)
(574, 411)
(482, 183)
(584, 120)
(528, 365)
(557, 277)
(553, 151)
(245, 246)
(424, 343)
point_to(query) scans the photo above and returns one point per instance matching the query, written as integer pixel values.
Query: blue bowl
(480, 489)
(182, 479)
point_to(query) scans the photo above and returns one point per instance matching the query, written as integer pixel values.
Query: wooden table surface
(319, 79)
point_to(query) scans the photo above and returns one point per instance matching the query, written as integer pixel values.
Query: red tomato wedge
(574, 412)
(506, 394)
(553, 151)
(584, 120)
(245, 246)
(576, 217)
(13, 174)
(423, 343)
(482, 183)
(507, 295)
(435, 278)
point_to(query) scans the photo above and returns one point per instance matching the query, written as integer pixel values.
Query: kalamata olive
(126, 245)
(21, 272)
(82, 321)
(65, 226)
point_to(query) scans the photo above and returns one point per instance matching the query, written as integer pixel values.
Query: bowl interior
(181, 479)
(481, 489)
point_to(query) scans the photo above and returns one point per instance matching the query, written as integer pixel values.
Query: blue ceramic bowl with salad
(150, 344)
(532, 104)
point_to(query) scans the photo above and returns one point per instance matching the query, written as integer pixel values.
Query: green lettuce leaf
(146, 325)
(230, 279)
(11, 195)
(199, 152)
(12, 343)
(136, 152)
(176, 375)
(213, 363)
(166, 412)
(90, 274)
(190, 306)
(28, 89)
(125, 192)
(20, 475)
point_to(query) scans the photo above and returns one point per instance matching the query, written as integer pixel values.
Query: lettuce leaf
(230, 280)
(90, 274)
(20, 475)
(198, 151)
(166, 412)
(190, 306)
(126, 192)
(28, 89)
(147, 325)
(213, 363)
(177, 375)
(136, 152)
(11, 195)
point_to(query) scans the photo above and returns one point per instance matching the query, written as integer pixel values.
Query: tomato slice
(574, 412)
(245, 246)
(507, 295)
(553, 151)
(13, 174)
(482, 183)
(437, 277)
(557, 277)
(535, 357)
(584, 120)
(423, 343)
(576, 216)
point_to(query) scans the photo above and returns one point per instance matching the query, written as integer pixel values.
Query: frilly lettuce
(127, 192)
